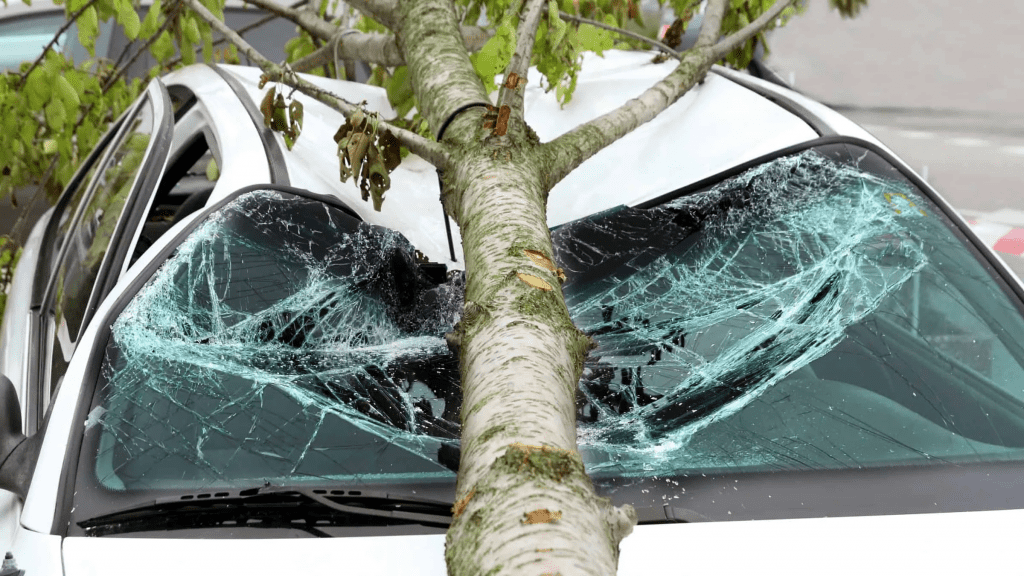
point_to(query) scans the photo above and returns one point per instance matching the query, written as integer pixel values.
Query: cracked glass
(815, 312)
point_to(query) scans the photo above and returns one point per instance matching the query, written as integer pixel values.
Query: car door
(92, 235)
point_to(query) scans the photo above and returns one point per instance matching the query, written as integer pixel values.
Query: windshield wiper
(273, 507)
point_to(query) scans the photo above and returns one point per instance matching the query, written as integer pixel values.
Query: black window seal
(49, 256)
(69, 469)
(128, 226)
(275, 156)
(1004, 274)
(784, 102)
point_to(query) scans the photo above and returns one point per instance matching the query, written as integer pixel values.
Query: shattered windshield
(814, 312)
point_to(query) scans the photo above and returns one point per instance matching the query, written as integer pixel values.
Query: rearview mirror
(17, 452)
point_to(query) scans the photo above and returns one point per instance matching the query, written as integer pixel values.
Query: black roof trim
(784, 102)
(275, 157)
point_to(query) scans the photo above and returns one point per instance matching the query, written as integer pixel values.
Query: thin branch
(510, 95)
(712, 25)
(56, 37)
(308, 20)
(660, 46)
(733, 41)
(377, 48)
(571, 149)
(383, 11)
(120, 71)
(429, 150)
(525, 35)
(241, 31)
(373, 48)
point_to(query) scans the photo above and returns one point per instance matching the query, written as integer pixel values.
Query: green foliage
(559, 49)
(54, 110)
(399, 88)
(743, 12)
(10, 252)
(848, 8)
(89, 29)
(492, 59)
(559, 46)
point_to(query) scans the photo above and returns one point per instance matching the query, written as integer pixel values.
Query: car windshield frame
(784, 485)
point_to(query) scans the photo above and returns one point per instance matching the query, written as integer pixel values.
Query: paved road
(939, 82)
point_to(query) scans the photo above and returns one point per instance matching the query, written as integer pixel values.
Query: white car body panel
(37, 554)
(606, 83)
(245, 161)
(956, 543)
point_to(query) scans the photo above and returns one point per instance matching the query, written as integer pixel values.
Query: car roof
(728, 119)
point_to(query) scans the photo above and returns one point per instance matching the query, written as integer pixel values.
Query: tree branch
(733, 41)
(659, 45)
(120, 71)
(511, 92)
(308, 20)
(383, 11)
(42, 55)
(440, 72)
(712, 25)
(429, 150)
(373, 48)
(571, 149)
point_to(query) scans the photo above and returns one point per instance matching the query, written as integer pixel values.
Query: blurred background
(941, 83)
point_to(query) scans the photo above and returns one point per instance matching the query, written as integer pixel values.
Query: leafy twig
(56, 37)
(427, 149)
(617, 30)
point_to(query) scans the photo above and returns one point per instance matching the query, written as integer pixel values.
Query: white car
(248, 374)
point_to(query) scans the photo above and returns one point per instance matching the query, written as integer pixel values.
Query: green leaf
(595, 39)
(556, 24)
(56, 115)
(190, 30)
(400, 94)
(495, 55)
(38, 89)
(67, 92)
(152, 21)
(128, 18)
(212, 172)
(188, 53)
(163, 47)
(207, 40)
(105, 9)
(89, 29)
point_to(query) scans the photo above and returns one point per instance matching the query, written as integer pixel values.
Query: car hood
(956, 543)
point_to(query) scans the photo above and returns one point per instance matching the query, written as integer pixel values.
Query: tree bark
(525, 500)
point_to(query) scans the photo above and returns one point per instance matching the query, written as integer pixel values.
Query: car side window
(88, 235)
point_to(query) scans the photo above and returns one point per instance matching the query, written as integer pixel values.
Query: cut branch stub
(542, 516)
(534, 282)
(540, 259)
